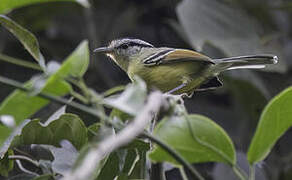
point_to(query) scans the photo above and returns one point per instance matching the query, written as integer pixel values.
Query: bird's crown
(128, 42)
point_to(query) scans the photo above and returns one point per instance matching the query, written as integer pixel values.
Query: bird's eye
(124, 46)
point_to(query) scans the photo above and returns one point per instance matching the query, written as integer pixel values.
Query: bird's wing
(175, 55)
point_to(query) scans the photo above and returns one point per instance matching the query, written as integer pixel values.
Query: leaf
(117, 166)
(8, 5)
(197, 138)
(131, 100)
(68, 127)
(275, 120)
(110, 168)
(21, 105)
(222, 25)
(92, 131)
(28, 40)
(6, 165)
(136, 168)
(116, 113)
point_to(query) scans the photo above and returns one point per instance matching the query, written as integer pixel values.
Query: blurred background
(217, 28)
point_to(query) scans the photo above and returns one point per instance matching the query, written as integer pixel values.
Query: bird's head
(122, 51)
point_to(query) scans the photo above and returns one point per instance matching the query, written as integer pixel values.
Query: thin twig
(175, 155)
(183, 173)
(95, 155)
(251, 172)
(238, 173)
(25, 158)
(56, 99)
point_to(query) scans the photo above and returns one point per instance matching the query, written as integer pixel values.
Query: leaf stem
(238, 172)
(20, 62)
(251, 172)
(183, 173)
(25, 170)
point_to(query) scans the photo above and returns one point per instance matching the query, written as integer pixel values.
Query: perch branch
(95, 155)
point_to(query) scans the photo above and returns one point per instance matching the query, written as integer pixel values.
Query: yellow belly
(166, 77)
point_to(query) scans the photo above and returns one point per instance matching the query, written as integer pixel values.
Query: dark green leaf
(21, 105)
(68, 126)
(92, 131)
(28, 40)
(111, 168)
(274, 122)
(196, 138)
(8, 5)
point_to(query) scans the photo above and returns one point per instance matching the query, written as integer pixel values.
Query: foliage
(274, 122)
(204, 140)
(63, 142)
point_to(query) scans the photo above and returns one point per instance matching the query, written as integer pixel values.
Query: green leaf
(132, 100)
(137, 169)
(275, 120)
(6, 165)
(92, 131)
(120, 114)
(111, 168)
(8, 5)
(127, 164)
(28, 40)
(197, 138)
(21, 105)
(216, 22)
(68, 127)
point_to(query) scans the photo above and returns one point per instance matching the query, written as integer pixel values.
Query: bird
(176, 71)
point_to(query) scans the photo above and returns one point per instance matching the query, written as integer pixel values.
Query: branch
(25, 170)
(20, 157)
(95, 155)
(97, 114)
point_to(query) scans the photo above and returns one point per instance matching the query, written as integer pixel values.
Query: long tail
(246, 62)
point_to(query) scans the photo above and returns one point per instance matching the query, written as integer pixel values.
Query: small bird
(176, 71)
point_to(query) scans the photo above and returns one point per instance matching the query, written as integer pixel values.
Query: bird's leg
(177, 88)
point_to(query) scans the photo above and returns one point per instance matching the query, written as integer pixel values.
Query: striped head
(122, 51)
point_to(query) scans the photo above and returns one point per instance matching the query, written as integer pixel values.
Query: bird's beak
(103, 50)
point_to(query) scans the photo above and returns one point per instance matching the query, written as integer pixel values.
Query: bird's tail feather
(246, 62)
